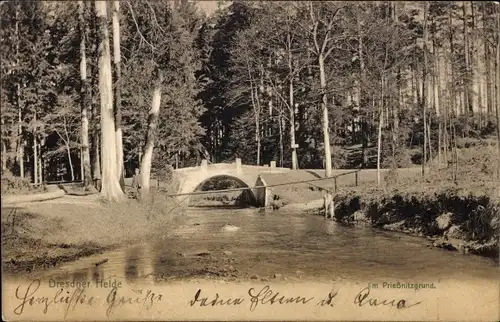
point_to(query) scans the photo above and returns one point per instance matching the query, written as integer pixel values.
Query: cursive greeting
(267, 296)
(363, 298)
(143, 299)
(66, 298)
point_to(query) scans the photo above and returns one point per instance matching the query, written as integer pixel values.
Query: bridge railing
(237, 165)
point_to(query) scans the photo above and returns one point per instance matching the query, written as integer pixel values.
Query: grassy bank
(41, 235)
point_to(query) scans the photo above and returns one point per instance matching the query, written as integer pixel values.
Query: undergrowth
(14, 185)
(478, 216)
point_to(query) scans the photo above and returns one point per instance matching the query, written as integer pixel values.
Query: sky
(209, 6)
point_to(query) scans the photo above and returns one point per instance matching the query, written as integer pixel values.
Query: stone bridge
(192, 179)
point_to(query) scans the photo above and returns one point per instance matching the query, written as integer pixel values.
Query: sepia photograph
(250, 160)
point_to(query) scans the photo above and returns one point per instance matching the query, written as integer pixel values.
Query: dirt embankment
(44, 234)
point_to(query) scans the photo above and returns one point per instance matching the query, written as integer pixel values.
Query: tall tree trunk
(440, 146)
(261, 132)
(396, 104)
(497, 85)
(429, 141)
(455, 157)
(147, 151)
(291, 103)
(4, 152)
(447, 106)
(359, 93)
(256, 109)
(468, 95)
(281, 129)
(110, 186)
(96, 150)
(35, 155)
(40, 164)
(292, 126)
(70, 161)
(257, 125)
(20, 145)
(84, 98)
(453, 108)
(117, 87)
(424, 91)
(324, 107)
(475, 70)
(95, 155)
(21, 139)
(487, 63)
(81, 165)
(139, 155)
(437, 97)
(379, 136)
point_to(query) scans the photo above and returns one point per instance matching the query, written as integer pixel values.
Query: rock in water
(444, 221)
(229, 227)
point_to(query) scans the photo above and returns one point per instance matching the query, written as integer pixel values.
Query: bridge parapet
(236, 166)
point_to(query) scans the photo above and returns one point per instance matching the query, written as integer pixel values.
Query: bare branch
(154, 17)
(278, 93)
(328, 29)
(137, 26)
(315, 28)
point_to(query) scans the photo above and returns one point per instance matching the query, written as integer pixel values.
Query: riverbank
(40, 235)
(465, 218)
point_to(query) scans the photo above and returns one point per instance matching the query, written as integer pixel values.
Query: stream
(274, 245)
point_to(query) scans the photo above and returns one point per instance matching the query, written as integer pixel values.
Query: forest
(92, 90)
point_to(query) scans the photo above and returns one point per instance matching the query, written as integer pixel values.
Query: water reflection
(81, 275)
(97, 273)
(131, 263)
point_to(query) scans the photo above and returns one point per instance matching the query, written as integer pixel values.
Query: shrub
(169, 173)
(14, 185)
(416, 156)
(339, 157)
(391, 177)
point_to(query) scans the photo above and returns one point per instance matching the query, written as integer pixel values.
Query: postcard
(250, 160)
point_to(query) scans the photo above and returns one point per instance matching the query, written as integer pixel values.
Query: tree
(246, 88)
(219, 114)
(159, 63)
(497, 85)
(117, 92)
(322, 49)
(147, 150)
(85, 92)
(64, 121)
(287, 42)
(110, 189)
(424, 90)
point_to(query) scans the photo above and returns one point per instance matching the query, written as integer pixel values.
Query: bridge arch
(242, 183)
(196, 182)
